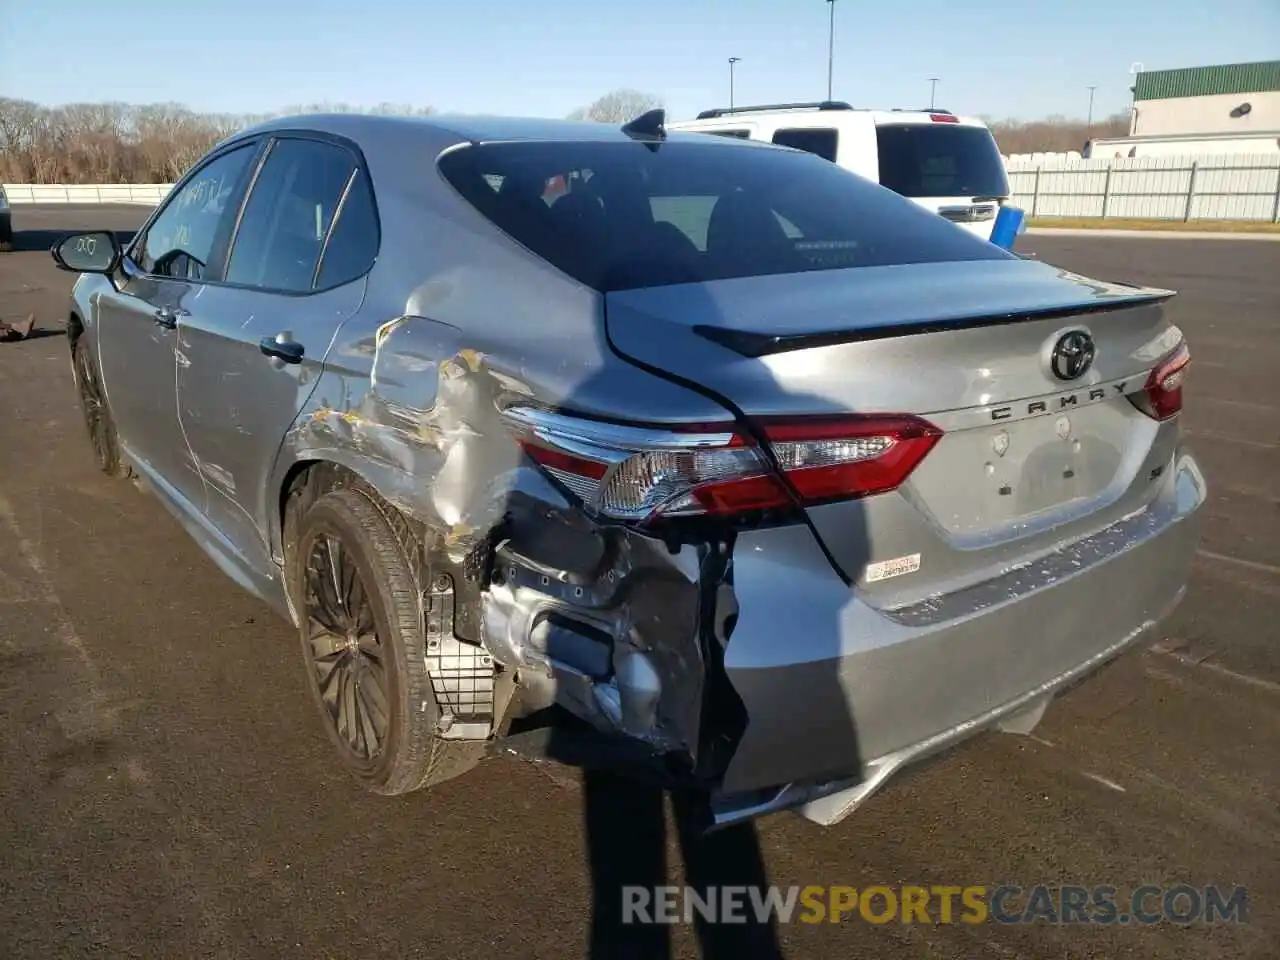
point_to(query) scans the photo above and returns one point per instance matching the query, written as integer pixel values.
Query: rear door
(945, 165)
(306, 238)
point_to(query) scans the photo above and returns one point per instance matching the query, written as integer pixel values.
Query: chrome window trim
(561, 429)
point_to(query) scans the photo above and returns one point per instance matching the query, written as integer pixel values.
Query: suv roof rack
(814, 105)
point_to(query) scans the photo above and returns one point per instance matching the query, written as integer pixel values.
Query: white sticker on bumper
(891, 568)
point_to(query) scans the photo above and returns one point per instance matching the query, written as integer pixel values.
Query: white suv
(948, 164)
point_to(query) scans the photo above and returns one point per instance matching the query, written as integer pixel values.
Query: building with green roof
(1239, 98)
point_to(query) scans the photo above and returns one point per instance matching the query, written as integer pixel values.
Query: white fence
(1232, 187)
(147, 193)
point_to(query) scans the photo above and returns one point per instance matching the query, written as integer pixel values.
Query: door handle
(282, 348)
(167, 317)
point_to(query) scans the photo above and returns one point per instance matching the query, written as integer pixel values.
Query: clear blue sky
(1023, 58)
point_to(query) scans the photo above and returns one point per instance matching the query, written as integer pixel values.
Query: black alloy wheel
(97, 415)
(355, 589)
(347, 656)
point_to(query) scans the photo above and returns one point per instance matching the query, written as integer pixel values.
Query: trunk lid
(1027, 458)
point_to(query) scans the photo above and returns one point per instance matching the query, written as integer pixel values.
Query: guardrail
(142, 193)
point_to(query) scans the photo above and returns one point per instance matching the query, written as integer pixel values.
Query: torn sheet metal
(601, 620)
(620, 648)
(423, 430)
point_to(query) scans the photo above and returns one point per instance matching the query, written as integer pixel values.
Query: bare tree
(21, 127)
(170, 138)
(619, 106)
(157, 143)
(120, 143)
(1055, 134)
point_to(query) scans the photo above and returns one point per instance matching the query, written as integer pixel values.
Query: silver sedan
(696, 457)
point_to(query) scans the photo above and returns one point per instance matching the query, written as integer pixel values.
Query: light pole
(933, 88)
(1089, 122)
(732, 61)
(1134, 69)
(831, 48)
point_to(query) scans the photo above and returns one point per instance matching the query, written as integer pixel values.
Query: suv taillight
(643, 473)
(1161, 398)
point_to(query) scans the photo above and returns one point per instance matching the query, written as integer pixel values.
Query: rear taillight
(641, 473)
(943, 118)
(1161, 398)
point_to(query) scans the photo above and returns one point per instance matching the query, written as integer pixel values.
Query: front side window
(180, 241)
(821, 143)
(287, 217)
(632, 216)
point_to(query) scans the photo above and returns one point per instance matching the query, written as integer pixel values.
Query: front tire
(97, 415)
(361, 628)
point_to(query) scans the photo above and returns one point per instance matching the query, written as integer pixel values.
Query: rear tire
(97, 415)
(361, 629)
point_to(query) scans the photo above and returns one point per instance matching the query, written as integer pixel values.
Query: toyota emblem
(1072, 355)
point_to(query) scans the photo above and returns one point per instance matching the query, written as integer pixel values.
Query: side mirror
(97, 252)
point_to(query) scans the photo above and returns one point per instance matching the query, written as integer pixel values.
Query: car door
(307, 236)
(162, 282)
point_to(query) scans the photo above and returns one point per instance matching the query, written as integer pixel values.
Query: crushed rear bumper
(839, 696)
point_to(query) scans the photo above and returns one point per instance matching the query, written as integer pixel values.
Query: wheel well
(75, 327)
(309, 480)
(305, 483)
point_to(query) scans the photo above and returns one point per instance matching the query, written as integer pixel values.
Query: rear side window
(353, 244)
(632, 216)
(287, 218)
(821, 143)
(940, 160)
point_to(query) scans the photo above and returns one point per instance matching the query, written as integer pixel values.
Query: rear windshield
(940, 160)
(621, 215)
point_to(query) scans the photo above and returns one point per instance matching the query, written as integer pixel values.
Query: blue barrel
(1009, 223)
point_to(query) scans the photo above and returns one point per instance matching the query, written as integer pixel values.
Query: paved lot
(167, 791)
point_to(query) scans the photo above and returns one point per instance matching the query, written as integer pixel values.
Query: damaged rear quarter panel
(454, 326)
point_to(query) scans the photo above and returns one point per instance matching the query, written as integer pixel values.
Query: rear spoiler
(750, 344)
